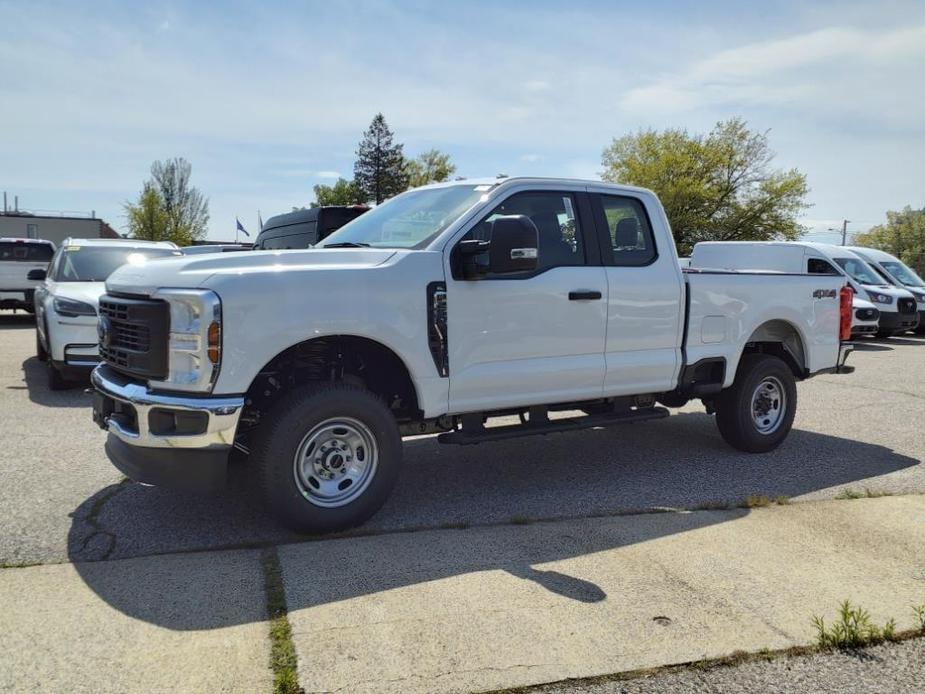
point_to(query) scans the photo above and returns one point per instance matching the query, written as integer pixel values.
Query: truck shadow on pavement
(37, 385)
(16, 321)
(680, 463)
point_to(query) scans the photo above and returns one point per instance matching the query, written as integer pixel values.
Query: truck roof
(543, 180)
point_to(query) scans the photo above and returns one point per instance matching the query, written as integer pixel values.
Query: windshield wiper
(346, 244)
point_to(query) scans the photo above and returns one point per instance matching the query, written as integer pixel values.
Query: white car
(443, 307)
(898, 312)
(67, 299)
(18, 258)
(899, 274)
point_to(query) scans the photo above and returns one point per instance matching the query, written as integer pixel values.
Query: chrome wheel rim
(335, 462)
(769, 405)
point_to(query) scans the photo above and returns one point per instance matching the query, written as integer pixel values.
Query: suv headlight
(71, 308)
(879, 298)
(919, 296)
(195, 343)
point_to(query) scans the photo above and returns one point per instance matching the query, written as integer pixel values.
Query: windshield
(859, 271)
(95, 264)
(411, 220)
(903, 273)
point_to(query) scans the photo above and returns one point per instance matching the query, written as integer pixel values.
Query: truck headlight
(195, 343)
(71, 308)
(879, 298)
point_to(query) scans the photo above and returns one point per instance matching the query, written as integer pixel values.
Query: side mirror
(514, 245)
(37, 275)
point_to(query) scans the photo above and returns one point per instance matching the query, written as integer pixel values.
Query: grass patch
(782, 500)
(283, 661)
(757, 501)
(919, 611)
(866, 494)
(852, 628)
(521, 520)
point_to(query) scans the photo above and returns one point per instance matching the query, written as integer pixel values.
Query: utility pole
(844, 230)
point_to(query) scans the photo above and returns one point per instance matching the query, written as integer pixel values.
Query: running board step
(479, 434)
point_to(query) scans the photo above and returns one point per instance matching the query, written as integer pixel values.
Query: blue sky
(267, 99)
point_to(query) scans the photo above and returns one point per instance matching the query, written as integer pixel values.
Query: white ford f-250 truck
(440, 308)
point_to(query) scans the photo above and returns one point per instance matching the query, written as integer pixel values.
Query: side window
(560, 242)
(818, 266)
(631, 237)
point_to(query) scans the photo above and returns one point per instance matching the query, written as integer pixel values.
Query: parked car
(67, 298)
(18, 257)
(895, 271)
(897, 307)
(305, 228)
(215, 248)
(442, 307)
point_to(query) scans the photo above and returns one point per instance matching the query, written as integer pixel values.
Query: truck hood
(193, 271)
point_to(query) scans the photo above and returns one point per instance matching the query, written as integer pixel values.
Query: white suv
(66, 301)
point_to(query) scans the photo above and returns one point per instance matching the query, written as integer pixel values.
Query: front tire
(40, 352)
(327, 458)
(55, 380)
(756, 413)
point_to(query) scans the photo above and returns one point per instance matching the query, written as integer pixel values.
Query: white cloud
(829, 71)
(327, 174)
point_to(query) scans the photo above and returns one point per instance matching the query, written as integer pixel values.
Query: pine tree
(379, 171)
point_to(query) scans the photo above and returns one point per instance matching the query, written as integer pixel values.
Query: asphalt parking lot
(61, 500)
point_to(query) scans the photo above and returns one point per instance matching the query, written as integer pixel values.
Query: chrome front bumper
(124, 407)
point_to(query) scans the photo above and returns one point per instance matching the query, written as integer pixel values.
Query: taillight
(846, 297)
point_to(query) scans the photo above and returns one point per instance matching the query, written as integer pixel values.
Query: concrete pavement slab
(488, 608)
(59, 634)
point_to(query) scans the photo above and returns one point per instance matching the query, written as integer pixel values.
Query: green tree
(343, 192)
(147, 219)
(714, 187)
(433, 166)
(903, 235)
(379, 171)
(182, 213)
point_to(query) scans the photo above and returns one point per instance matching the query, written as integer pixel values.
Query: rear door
(645, 306)
(538, 337)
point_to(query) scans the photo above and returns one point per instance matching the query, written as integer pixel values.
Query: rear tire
(756, 413)
(55, 380)
(312, 443)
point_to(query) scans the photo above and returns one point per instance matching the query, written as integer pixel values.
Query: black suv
(304, 228)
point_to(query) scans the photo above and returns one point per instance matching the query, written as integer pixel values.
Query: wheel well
(780, 338)
(346, 358)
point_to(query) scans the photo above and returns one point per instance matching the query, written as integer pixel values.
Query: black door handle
(583, 295)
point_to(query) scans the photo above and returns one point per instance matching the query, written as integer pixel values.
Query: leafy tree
(147, 219)
(176, 211)
(714, 187)
(903, 235)
(379, 171)
(343, 192)
(432, 166)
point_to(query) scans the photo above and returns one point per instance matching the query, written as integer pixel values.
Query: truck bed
(727, 309)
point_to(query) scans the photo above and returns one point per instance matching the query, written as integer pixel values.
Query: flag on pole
(241, 227)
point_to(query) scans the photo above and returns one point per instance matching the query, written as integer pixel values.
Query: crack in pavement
(103, 550)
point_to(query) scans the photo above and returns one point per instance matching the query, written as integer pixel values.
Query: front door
(537, 337)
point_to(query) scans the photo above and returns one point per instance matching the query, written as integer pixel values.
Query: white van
(898, 309)
(897, 273)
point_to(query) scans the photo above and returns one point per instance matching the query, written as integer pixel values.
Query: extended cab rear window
(26, 252)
